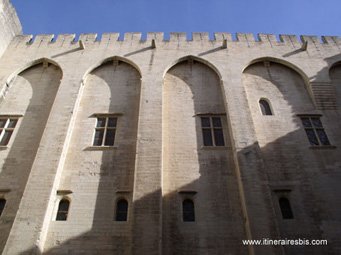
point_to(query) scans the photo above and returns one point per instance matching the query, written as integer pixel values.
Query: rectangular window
(212, 131)
(105, 131)
(314, 130)
(188, 212)
(7, 125)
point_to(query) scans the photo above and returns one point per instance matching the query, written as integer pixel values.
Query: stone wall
(159, 89)
(9, 24)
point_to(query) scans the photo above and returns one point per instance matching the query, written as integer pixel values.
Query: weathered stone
(158, 90)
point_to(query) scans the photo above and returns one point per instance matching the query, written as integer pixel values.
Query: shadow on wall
(335, 75)
(304, 212)
(30, 96)
(288, 95)
(117, 167)
(101, 175)
(203, 174)
(285, 164)
(292, 167)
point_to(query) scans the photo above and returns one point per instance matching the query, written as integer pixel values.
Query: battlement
(178, 37)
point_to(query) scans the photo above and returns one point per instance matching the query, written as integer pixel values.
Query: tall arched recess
(335, 76)
(194, 171)
(100, 172)
(285, 90)
(27, 100)
(289, 162)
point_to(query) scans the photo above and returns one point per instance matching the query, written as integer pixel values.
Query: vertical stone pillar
(259, 215)
(28, 232)
(147, 197)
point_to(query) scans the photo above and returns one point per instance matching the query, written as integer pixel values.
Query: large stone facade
(159, 91)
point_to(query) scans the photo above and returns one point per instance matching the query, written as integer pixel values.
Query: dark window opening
(188, 214)
(63, 210)
(212, 131)
(7, 126)
(122, 210)
(265, 107)
(105, 131)
(315, 131)
(2, 205)
(285, 208)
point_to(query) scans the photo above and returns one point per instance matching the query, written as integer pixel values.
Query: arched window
(121, 210)
(188, 213)
(284, 204)
(2, 205)
(265, 107)
(63, 210)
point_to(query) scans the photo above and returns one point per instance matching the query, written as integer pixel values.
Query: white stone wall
(30, 97)
(9, 23)
(192, 171)
(243, 176)
(98, 177)
(288, 157)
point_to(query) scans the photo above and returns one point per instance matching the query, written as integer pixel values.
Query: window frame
(5, 203)
(267, 101)
(117, 212)
(6, 128)
(105, 129)
(284, 193)
(286, 209)
(314, 128)
(187, 195)
(68, 210)
(193, 218)
(212, 129)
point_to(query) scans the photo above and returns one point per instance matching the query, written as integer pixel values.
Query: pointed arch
(28, 98)
(107, 114)
(33, 63)
(289, 65)
(335, 78)
(283, 62)
(335, 72)
(194, 58)
(286, 89)
(194, 116)
(333, 65)
(109, 59)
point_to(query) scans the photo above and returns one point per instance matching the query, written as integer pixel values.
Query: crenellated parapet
(248, 39)
(311, 56)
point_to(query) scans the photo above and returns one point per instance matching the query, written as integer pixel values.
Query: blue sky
(309, 17)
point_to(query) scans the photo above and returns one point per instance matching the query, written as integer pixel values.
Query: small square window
(105, 131)
(314, 130)
(212, 131)
(7, 125)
